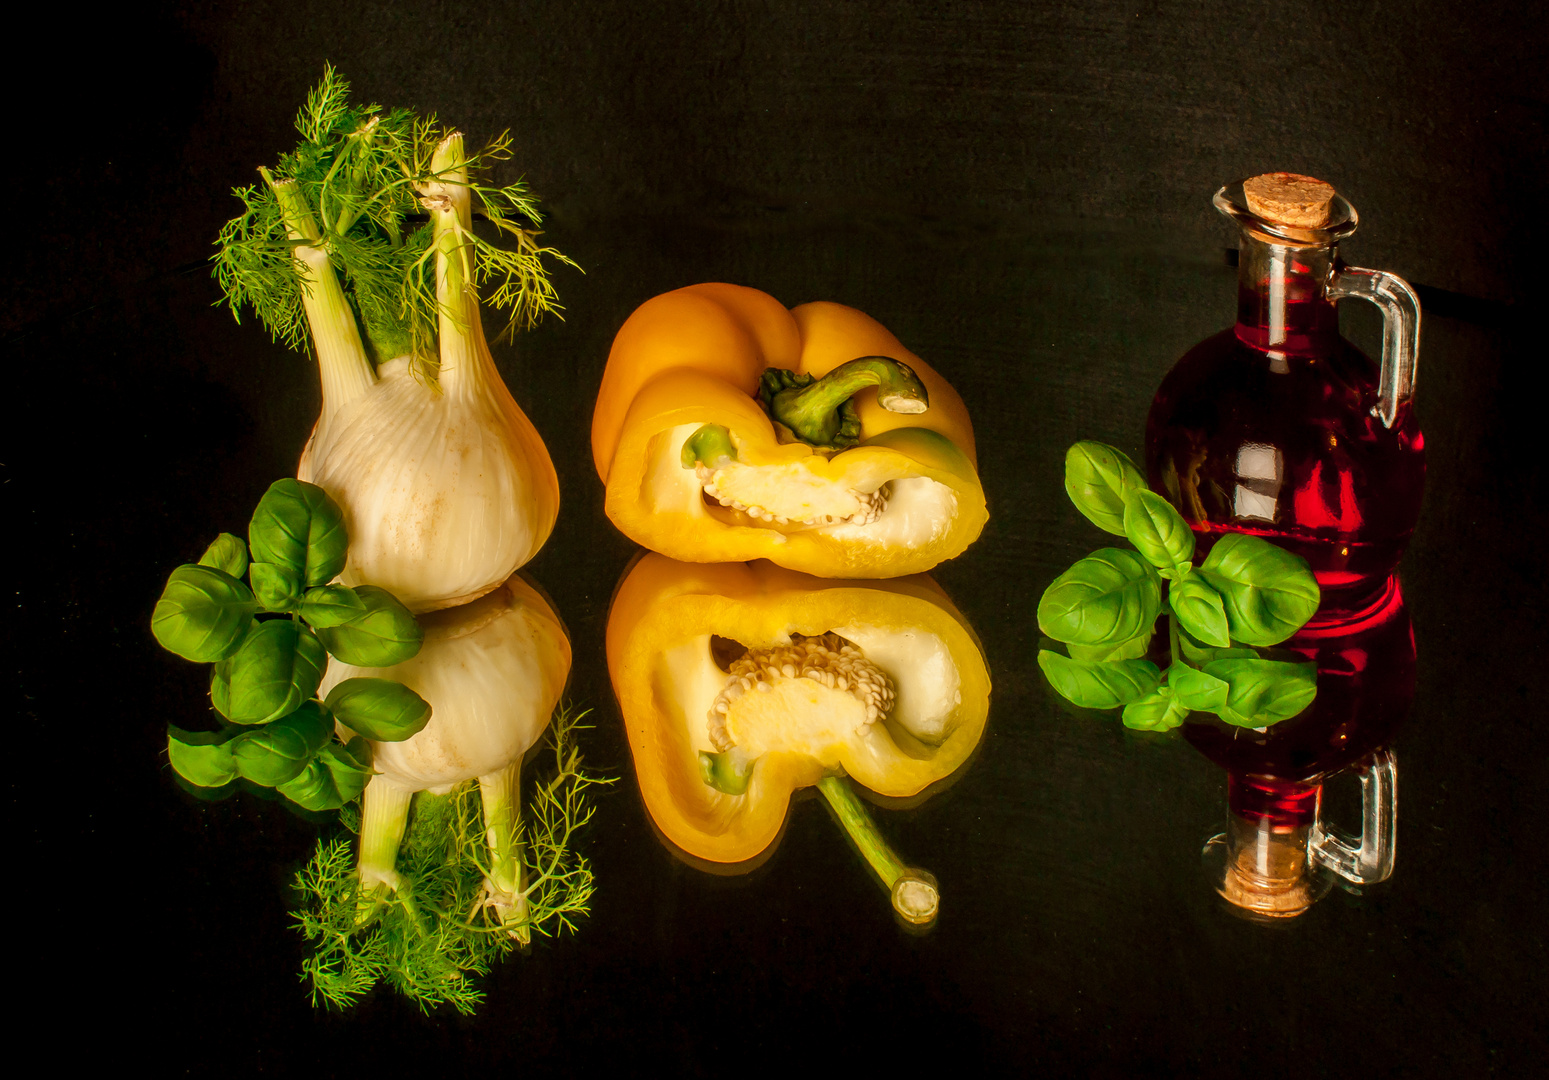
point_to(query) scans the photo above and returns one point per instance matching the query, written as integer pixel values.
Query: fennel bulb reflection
(492, 671)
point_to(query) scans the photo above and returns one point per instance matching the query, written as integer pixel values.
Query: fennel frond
(364, 172)
(434, 936)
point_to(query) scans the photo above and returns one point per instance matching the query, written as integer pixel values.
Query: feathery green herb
(435, 934)
(358, 188)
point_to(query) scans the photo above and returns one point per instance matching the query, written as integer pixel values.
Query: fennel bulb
(492, 671)
(446, 486)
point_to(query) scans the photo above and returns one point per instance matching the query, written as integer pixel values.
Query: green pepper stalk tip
(728, 772)
(914, 893)
(711, 445)
(916, 897)
(819, 412)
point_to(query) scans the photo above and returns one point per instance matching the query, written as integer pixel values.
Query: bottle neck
(1267, 834)
(1283, 304)
(1283, 804)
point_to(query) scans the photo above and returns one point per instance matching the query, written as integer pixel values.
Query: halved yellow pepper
(904, 497)
(718, 784)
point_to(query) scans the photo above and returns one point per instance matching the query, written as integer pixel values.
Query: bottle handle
(1368, 859)
(1400, 331)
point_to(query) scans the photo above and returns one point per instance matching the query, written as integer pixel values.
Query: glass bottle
(1278, 855)
(1281, 428)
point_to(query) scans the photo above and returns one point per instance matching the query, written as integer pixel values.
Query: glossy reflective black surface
(1022, 197)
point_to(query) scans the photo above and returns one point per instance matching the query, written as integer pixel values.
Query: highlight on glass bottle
(1279, 427)
(1279, 853)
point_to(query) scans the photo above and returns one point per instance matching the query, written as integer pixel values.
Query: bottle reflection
(1277, 855)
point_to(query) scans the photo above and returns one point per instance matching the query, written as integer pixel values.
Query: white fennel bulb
(446, 487)
(492, 671)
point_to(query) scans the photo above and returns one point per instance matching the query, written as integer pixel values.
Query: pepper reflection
(1278, 855)
(740, 683)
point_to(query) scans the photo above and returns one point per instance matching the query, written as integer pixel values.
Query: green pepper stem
(727, 772)
(812, 412)
(914, 893)
(345, 370)
(710, 444)
(499, 792)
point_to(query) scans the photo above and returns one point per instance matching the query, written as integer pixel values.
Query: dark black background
(1021, 193)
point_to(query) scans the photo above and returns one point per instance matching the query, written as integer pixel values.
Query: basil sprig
(1247, 592)
(269, 639)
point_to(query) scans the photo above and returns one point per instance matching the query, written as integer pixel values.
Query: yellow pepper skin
(665, 677)
(694, 357)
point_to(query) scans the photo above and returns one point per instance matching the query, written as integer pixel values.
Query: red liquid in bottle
(1366, 682)
(1269, 429)
(1281, 804)
(1263, 864)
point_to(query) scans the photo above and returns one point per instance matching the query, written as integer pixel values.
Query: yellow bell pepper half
(865, 469)
(740, 683)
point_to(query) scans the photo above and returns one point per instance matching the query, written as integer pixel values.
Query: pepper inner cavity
(814, 692)
(788, 494)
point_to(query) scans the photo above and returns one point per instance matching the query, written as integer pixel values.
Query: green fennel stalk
(335, 240)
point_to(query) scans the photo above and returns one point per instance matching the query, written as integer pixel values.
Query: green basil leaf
(1133, 649)
(1100, 480)
(1196, 689)
(220, 687)
(202, 614)
(1158, 531)
(1269, 593)
(1200, 609)
(299, 527)
(1264, 692)
(332, 778)
(1158, 711)
(202, 757)
(1198, 653)
(1099, 686)
(228, 554)
(1111, 596)
(330, 605)
(359, 748)
(379, 709)
(278, 588)
(385, 635)
(279, 665)
(277, 752)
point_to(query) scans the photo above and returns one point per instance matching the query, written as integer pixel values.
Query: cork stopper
(1289, 199)
(1282, 894)
(1266, 869)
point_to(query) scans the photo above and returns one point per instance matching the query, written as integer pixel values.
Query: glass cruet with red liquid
(1281, 428)
(1279, 854)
